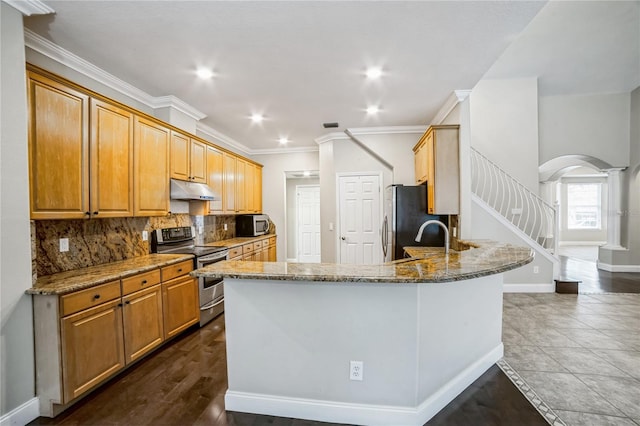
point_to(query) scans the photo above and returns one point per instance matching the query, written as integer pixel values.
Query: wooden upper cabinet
(249, 185)
(215, 179)
(241, 200)
(188, 158)
(111, 172)
(151, 168)
(257, 189)
(438, 164)
(229, 199)
(179, 156)
(198, 161)
(58, 150)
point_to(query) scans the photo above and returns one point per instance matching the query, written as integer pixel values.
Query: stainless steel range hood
(182, 190)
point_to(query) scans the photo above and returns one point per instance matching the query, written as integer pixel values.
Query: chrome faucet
(442, 225)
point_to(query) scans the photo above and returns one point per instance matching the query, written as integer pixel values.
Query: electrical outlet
(145, 236)
(536, 269)
(356, 370)
(200, 229)
(64, 244)
(225, 226)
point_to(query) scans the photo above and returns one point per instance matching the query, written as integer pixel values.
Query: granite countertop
(429, 265)
(78, 279)
(238, 241)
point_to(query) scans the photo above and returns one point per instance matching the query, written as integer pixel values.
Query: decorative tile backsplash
(98, 241)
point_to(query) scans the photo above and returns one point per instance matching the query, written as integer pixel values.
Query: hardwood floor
(184, 384)
(595, 280)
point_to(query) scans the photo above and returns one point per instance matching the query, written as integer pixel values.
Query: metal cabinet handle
(95, 213)
(96, 297)
(180, 270)
(127, 302)
(144, 282)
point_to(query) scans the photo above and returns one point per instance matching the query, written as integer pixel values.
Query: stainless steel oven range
(181, 240)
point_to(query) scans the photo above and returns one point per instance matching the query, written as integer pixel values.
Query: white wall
(594, 125)
(17, 375)
(504, 126)
(274, 187)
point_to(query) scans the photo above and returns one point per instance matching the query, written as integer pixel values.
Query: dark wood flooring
(184, 383)
(595, 280)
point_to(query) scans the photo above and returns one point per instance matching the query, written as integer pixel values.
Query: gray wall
(17, 376)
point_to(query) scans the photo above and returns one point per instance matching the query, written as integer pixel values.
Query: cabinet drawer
(140, 281)
(247, 248)
(272, 241)
(257, 245)
(172, 271)
(94, 296)
(235, 252)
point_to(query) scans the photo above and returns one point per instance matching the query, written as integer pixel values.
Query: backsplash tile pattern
(214, 228)
(96, 241)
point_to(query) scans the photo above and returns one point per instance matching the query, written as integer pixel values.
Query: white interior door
(308, 206)
(359, 212)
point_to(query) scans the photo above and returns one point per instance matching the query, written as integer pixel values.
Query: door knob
(343, 238)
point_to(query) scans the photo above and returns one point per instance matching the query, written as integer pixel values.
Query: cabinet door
(272, 252)
(430, 172)
(92, 348)
(198, 162)
(249, 172)
(179, 157)
(420, 158)
(215, 179)
(257, 189)
(151, 168)
(241, 200)
(180, 302)
(142, 322)
(58, 150)
(111, 174)
(229, 202)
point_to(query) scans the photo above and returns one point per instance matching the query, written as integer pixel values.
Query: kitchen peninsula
(420, 330)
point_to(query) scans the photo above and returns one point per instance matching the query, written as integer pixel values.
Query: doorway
(359, 210)
(293, 180)
(308, 223)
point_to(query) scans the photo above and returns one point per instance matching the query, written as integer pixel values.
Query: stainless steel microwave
(252, 225)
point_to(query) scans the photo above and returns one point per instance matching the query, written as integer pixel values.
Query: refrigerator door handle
(384, 237)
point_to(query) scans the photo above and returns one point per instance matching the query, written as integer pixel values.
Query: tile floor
(579, 354)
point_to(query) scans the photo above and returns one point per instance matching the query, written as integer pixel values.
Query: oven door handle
(211, 305)
(212, 258)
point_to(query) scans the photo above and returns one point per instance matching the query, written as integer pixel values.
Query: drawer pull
(127, 302)
(96, 296)
(180, 270)
(144, 282)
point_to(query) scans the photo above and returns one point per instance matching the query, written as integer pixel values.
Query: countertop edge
(77, 275)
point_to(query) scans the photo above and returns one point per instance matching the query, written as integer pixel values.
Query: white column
(614, 208)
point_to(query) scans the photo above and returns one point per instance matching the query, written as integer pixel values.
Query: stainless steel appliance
(181, 240)
(405, 210)
(252, 225)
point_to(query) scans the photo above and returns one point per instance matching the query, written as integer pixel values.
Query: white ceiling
(301, 63)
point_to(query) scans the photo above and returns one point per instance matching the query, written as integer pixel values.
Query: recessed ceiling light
(374, 73)
(283, 141)
(306, 173)
(373, 109)
(204, 73)
(257, 118)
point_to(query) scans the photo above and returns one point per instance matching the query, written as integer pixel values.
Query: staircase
(516, 204)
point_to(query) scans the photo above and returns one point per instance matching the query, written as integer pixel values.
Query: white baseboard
(529, 288)
(361, 414)
(581, 243)
(292, 260)
(22, 415)
(618, 268)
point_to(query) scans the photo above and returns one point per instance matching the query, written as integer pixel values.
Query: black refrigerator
(405, 210)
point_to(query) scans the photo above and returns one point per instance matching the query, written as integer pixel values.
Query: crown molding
(210, 131)
(386, 130)
(293, 150)
(30, 7)
(178, 104)
(51, 50)
(454, 99)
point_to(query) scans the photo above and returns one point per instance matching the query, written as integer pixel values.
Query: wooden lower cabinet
(142, 322)
(181, 305)
(92, 347)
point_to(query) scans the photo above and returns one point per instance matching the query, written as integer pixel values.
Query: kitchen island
(423, 328)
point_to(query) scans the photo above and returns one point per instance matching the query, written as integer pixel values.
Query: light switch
(64, 244)
(145, 236)
(330, 226)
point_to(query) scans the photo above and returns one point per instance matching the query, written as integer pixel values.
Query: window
(584, 206)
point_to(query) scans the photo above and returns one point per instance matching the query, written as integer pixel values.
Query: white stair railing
(514, 201)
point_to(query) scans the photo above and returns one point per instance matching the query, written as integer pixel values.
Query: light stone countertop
(79, 279)
(430, 264)
(238, 241)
